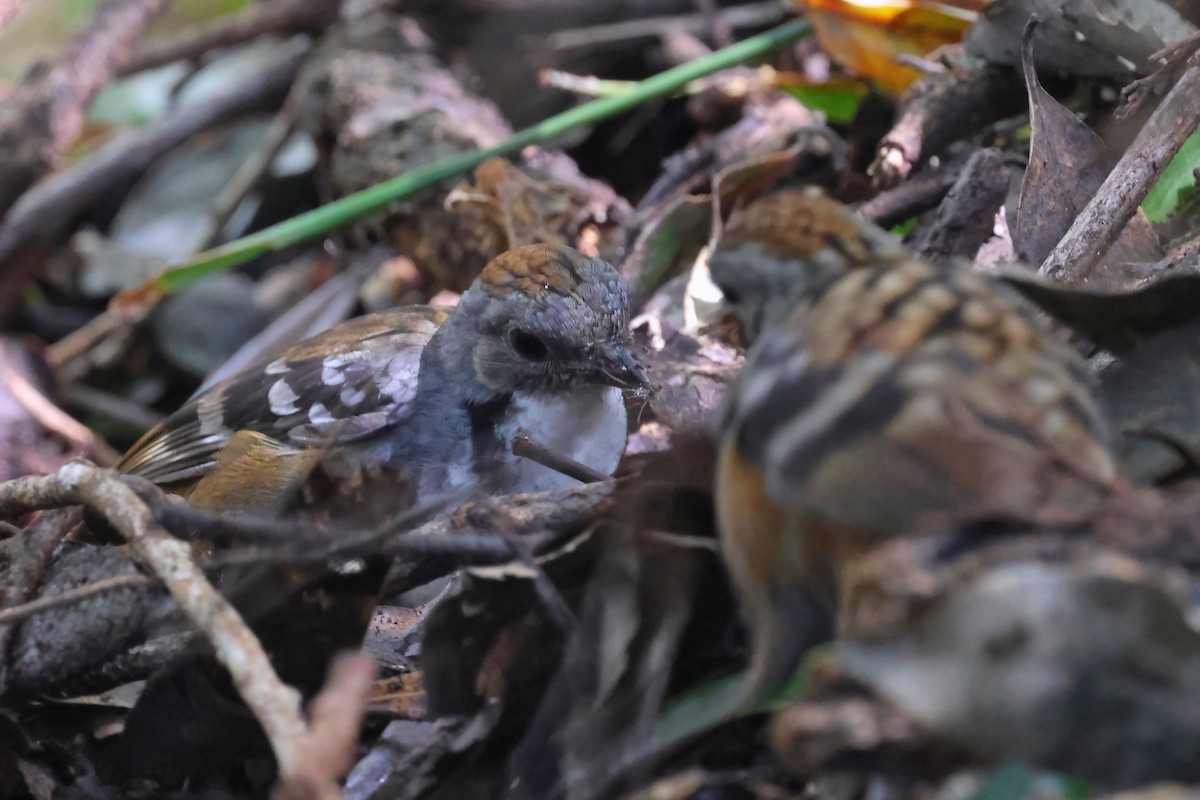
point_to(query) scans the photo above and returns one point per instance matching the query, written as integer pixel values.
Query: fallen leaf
(1068, 162)
(400, 696)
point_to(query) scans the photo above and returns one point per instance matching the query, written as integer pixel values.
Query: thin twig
(464, 549)
(53, 418)
(17, 613)
(306, 541)
(250, 172)
(296, 541)
(1118, 198)
(525, 446)
(66, 357)
(280, 17)
(914, 196)
(1173, 58)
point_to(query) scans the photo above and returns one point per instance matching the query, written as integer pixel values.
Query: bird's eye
(731, 295)
(527, 345)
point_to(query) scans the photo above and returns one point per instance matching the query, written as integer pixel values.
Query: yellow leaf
(867, 36)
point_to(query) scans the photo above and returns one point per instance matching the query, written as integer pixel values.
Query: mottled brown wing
(913, 390)
(347, 383)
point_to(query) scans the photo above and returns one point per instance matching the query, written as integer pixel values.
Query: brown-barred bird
(882, 396)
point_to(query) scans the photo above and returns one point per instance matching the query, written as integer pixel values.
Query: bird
(777, 251)
(538, 343)
(881, 396)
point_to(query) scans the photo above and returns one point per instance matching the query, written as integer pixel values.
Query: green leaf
(839, 103)
(722, 700)
(1177, 184)
(681, 227)
(700, 709)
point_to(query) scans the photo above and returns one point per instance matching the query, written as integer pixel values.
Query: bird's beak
(619, 368)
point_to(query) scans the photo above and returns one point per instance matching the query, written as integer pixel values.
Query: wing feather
(340, 386)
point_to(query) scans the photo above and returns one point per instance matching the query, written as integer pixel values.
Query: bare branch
(525, 446)
(53, 418)
(335, 716)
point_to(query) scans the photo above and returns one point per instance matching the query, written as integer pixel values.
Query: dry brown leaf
(1067, 164)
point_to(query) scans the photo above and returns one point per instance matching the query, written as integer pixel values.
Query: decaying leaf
(1067, 164)
(412, 757)
(490, 629)
(966, 218)
(168, 216)
(672, 236)
(545, 200)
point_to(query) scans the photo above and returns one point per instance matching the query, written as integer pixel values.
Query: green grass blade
(332, 215)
